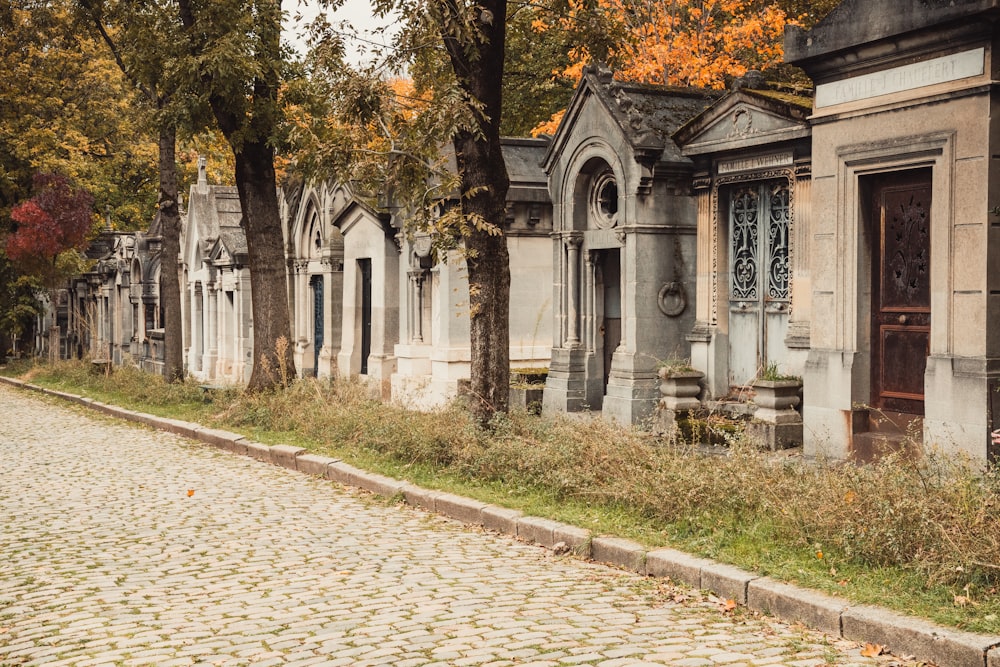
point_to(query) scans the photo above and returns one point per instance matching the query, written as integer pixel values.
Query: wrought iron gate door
(901, 291)
(759, 285)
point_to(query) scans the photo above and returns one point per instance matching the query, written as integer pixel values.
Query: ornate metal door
(758, 286)
(901, 292)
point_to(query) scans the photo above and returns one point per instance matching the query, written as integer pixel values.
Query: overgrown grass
(919, 536)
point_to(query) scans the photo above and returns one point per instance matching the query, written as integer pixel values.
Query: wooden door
(901, 290)
(317, 289)
(611, 322)
(365, 266)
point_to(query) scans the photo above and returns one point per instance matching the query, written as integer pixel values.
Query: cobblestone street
(121, 545)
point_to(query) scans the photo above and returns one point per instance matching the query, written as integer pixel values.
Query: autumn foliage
(59, 217)
(702, 43)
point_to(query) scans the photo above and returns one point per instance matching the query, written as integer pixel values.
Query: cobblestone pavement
(120, 545)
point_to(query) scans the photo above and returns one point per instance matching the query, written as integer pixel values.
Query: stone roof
(856, 22)
(234, 240)
(523, 158)
(647, 114)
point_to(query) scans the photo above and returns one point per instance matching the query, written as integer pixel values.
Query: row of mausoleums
(845, 238)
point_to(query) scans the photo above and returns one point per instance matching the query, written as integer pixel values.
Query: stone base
(527, 398)
(775, 436)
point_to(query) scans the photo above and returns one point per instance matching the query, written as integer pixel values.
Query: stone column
(573, 244)
(797, 337)
(212, 310)
(705, 353)
(417, 278)
(589, 301)
(197, 327)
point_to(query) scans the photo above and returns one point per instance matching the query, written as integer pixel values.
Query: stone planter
(526, 397)
(776, 423)
(679, 392)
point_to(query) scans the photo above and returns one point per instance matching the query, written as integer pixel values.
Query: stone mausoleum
(903, 249)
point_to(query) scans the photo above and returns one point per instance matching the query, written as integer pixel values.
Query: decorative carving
(604, 201)
(906, 241)
(722, 181)
(743, 245)
(778, 270)
(742, 123)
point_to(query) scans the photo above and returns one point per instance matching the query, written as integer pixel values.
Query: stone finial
(202, 170)
(753, 80)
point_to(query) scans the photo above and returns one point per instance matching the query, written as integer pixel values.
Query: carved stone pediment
(744, 119)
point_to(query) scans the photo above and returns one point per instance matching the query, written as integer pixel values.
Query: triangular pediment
(637, 117)
(745, 119)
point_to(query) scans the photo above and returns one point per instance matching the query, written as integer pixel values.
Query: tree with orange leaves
(704, 43)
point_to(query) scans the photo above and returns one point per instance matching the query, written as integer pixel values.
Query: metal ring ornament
(672, 299)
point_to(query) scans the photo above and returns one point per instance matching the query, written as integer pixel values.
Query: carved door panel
(758, 285)
(901, 291)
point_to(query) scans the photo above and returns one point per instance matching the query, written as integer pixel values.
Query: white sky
(357, 12)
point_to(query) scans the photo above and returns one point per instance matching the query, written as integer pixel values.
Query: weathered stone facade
(847, 238)
(624, 245)
(215, 286)
(434, 353)
(903, 249)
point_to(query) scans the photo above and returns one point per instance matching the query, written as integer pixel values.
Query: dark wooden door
(365, 266)
(611, 323)
(901, 290)
(317, 288)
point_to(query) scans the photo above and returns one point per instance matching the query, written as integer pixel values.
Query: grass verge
(919, 536)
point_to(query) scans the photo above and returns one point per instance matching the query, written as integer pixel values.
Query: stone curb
(903, 635)
(623, 553)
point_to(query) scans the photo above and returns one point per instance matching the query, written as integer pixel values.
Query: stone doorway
(365, 269)
(608, 285)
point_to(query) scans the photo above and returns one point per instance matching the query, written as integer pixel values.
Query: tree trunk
(479, 71)
(483, 172)
(272, 332)
(170, 289)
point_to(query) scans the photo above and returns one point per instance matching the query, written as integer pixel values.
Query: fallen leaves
(872, 650)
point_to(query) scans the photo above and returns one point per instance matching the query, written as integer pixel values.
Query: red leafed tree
(54, 223)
